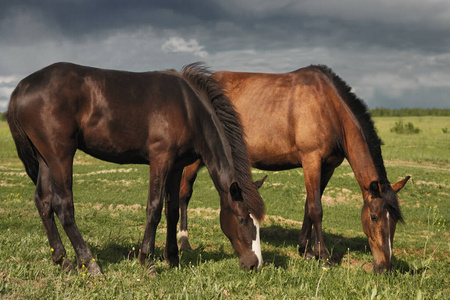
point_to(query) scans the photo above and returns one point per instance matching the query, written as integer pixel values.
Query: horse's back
(285, 116)
(112, 115)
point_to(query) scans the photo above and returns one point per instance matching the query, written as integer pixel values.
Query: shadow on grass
(338, 246)
(114, 252)
(201, 254)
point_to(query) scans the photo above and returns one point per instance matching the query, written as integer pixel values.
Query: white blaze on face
(389, 240)
(256, 244)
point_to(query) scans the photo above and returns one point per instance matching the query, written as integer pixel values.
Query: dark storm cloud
(78, 18)
(384, 49)
(286, 24)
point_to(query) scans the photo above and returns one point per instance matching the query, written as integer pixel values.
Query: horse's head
(379, 217)
(241, 226)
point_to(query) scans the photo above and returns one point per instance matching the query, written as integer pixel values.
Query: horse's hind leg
(186, 188)
(315, 181)
(62, 204)
(42, 199)
(304, 241)
(160, 168)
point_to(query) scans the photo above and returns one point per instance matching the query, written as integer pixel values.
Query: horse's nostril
(250, 262)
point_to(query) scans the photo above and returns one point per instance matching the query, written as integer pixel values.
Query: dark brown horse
(309, 118)
(165, 119)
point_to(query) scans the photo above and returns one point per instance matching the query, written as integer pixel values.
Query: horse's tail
(200, 78)
(25, 148)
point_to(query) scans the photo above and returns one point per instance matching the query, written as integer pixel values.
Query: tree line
(409, 112)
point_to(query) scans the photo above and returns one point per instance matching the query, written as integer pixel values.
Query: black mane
(230, 119)
(360, 111)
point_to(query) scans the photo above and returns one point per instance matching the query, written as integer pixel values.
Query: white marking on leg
(390, 246)
(182, 233)
(256, 244)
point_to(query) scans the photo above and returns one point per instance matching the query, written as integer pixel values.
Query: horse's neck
(216, 155)
(357, 151)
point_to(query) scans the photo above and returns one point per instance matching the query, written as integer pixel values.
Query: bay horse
(166, 119)
(309, 118)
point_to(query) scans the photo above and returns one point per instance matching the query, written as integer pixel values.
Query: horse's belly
(269, 159)
(116, 148)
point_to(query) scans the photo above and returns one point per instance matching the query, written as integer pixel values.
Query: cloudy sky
(394, 53)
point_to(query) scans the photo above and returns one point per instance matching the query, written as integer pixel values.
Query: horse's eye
(240, 220)
(373, 218)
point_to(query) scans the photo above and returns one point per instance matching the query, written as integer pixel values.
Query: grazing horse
(166, 119)
(309, 118)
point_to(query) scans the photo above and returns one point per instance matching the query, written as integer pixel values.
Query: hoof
(184, 244)
(94, 269)
(309, 255)
(325, 260)
(67, 266)
(306, 253)
(183, 238)
(173, 260)
(174, 263)
(151, 270)
(329, 263)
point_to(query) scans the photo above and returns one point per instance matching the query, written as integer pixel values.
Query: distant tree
(409, 112)
(3, 116)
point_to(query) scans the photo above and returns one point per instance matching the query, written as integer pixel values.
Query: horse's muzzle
(380, 268)
(250, 261)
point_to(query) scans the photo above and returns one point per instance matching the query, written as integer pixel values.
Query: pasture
(110, 212)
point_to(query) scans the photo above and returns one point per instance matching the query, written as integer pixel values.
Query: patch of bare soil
(5, 167)
(121, 182)
(340, 196)
(20, 174)
(426, 165)
(280, 220)
(79, 160)
(108, 171)
(122, 207)
(208, 213)
(5, 184)
(11, 171)
(431, 184)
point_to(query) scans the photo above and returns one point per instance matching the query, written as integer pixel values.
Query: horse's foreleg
(172, 216)
(42, 199)
(186, 188)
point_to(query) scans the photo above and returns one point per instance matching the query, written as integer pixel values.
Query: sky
(393, 53)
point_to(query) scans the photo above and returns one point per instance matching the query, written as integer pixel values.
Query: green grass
(110, 211)
(429, 145)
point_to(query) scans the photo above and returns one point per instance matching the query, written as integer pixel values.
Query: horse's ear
(260, 182)
(374, 189)
(236, 192)
(400, 184)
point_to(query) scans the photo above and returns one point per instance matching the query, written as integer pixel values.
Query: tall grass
(110, 212)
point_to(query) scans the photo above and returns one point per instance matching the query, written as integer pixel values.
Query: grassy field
(110, 211)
